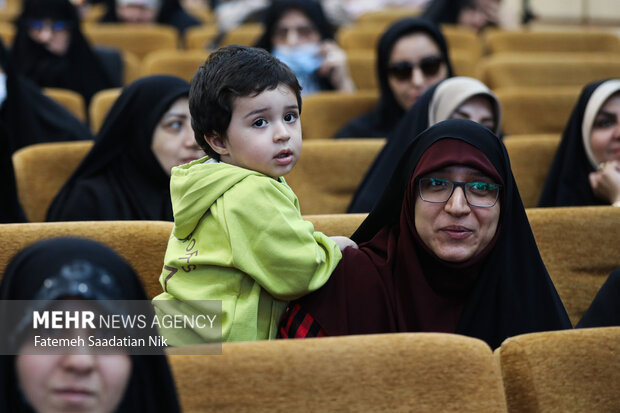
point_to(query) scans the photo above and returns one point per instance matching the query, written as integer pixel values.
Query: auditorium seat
(131, 67)
(141, 243)
(579, 247)
(544, 70)
(536, 110)
(510, 41)
(7, 33)
(423, 372)
(530, 158)
(562, 371)
(202, 37)
(99, 106)
(181, 63)
(41, 170)
(324, 113)
(329, 171)
(386, 16)
(138, 39)
(69, 99)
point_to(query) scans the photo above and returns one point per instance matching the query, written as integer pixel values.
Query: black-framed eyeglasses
(478, 194)
(402, 70)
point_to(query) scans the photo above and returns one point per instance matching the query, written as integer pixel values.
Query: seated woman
(605, 308)
(412, 56)
(586, 166)
(126, 175)
(448, 248)
(167, 12)
(50, 49)
(32, 381)
(454, 98)
(298, 33)
(476, 14)
(27, 116)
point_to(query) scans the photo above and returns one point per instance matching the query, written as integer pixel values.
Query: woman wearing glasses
(51, 50)
(411, 57)
(454, 98)
(586, 167)
(448, 248)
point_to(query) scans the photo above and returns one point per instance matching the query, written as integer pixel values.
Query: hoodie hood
(194, 188)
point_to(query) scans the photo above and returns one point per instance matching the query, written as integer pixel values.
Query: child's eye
(290, 117)
(259, 123)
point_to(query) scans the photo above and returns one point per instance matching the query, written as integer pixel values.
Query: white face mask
(2, 88)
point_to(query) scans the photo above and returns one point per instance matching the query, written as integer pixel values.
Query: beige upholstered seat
(202, 37)
(557, 69)
(141, 243)
(536, 110)
(505, 41)
(377, 373)
(329, 172)
(41, 170)
(562, 371)
(137, 39)
(324, 113)
(181, 63)
(100, 105)
(530, 158)
(579, 247)
(69, 99)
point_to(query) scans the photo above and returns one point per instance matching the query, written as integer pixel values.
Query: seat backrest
(131, 67)
(138, 39)
(558, 69)
(7, 32)
(100, 105)
(363, 69)
(530, 158)
(562, 371)
(579, 247)
(502, 41)
(387, 15)
(41, 170)
(324, 113)
(69, 99)
(422, 372)
(246, 34)
(329, 172)
(200, 37)
(141, 243)
(181, 63)
(530, 110)
(336, 224)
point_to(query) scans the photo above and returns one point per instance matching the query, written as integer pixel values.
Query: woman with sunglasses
(298, 33)
(454, 98)
(586, 166)
(411, 57)
(51, 50)
(447, 249)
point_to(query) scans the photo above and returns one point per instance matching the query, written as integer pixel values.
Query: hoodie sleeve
(272, 243)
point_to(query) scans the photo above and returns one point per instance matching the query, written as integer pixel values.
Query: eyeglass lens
(483, 194)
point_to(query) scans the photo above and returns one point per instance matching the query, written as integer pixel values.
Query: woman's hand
(334, 66)
(606, 182)
(344, 242)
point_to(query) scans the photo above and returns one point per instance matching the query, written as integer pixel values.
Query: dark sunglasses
(428, 65)
(40, 24)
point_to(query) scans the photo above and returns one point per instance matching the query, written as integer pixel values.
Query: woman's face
(73, 383)
(605, 135)
(173, 140)
(478, 109)
(295, 29)
(456, 231)
(53, 35)
(415, 65)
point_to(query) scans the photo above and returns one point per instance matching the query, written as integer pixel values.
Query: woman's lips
(457, 232)
(75, 396)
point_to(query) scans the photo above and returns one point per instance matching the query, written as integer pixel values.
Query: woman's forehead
(460, 170)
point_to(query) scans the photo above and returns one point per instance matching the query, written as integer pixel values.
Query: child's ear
(216, 142)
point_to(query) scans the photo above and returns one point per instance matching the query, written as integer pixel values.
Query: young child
(238, 233)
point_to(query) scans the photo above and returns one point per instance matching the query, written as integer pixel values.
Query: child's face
(264, 134)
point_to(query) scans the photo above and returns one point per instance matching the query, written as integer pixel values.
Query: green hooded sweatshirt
(239, 237)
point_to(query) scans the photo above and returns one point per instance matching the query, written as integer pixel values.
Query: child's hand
(344, 242)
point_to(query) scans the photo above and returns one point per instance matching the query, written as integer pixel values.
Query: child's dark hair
(230, 72)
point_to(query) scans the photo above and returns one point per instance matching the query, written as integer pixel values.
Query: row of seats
(578, 245)
(562, 371)
(324, 179)
(543, 110)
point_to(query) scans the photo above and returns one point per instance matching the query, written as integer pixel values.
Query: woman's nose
(457, 204)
